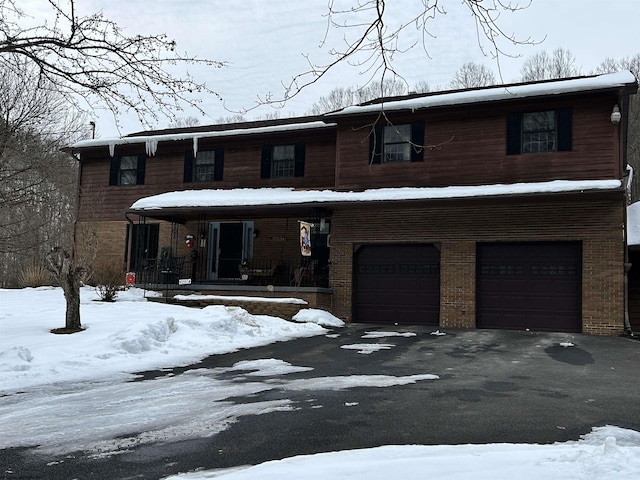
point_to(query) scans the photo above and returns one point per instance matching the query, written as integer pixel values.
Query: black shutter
(265, 164)
(514, 126)
(564, 124)
(417, 141)
(218, 166)
(142, 159)
(113, 172)
(299, 160)
(188, 166)
(375, 144)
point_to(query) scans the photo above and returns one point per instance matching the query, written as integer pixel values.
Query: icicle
(195, 146)
(112, 148)
(151, 145)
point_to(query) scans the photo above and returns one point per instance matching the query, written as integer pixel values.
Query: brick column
(458, 284)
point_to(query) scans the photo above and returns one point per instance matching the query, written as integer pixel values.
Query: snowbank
(127, 336)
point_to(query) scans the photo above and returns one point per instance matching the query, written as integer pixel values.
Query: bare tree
(84, 58)
(422, 87)
(610, 65)
(341, 97)
(561, 63)
(90, 58)
(38, 182)
(473, 75)
(184, 122)
(373, 37)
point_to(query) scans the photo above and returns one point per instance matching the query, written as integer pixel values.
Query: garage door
(397, 284)
(530, 285)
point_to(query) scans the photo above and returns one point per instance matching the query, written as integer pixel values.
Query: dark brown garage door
(530, 285)
(397, 284)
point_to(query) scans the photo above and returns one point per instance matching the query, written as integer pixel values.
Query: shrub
(108, 278)
(34, 275)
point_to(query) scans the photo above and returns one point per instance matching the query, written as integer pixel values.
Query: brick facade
(458, 226)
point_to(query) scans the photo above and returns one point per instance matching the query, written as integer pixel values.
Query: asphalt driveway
(492, 386)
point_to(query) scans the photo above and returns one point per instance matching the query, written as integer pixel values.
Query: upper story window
(127, 170)
(206, 166)
(203, 168)
(539, 132)
(397, 143)
(282, 161)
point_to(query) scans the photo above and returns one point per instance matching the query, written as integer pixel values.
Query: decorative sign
(305, 239)
(184, 281)
(130, 278)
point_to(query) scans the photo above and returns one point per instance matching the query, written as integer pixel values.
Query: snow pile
(129, 335)
(320, 317)
(193, 296)
(608, 453)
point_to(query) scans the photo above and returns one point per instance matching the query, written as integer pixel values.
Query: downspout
(628, 174)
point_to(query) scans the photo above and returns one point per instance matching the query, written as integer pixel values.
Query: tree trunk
(71, 289)
(68, 274)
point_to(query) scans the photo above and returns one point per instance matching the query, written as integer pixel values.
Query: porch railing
(169, 271)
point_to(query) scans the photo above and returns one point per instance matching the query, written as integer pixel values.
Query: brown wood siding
(467, 146)
(165, 171)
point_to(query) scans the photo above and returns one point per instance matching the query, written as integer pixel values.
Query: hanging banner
(305, 239)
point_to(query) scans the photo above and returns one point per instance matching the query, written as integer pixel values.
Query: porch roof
(193, 202)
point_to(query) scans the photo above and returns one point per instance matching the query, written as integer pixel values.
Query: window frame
(377, 144)
(283, 161)
(204, 166)
(128, 176)
(116, 171)
(563, 128)
(269, 164)
(190, 166)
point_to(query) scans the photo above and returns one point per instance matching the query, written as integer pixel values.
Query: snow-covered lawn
(129, 335)
(69, 393)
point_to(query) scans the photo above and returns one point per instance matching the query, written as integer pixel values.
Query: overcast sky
(264, 42)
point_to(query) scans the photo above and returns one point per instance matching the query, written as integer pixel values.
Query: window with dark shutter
(397, 143)
(205, 166)
(282, 161)
(539, 132)
(127, 170)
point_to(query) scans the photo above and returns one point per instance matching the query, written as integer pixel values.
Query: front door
(230, 243)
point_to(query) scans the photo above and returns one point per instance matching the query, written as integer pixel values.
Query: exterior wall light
(615, 115)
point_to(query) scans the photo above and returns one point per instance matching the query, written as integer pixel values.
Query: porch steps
(276, 307)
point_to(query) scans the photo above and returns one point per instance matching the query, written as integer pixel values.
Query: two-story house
(499, 207)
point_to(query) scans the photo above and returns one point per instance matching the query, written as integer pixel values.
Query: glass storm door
(230, 243)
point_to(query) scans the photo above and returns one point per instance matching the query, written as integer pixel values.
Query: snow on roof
(151, 141)
(633, 224)
(289, 196)
(599, 82)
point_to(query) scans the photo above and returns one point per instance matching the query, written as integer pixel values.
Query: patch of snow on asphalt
(368, 348)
